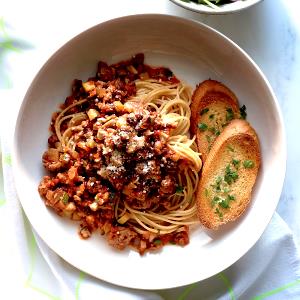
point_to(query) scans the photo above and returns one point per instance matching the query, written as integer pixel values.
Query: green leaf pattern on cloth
(7, 159)
(29, 282)
(6, 46)
(78, 284)
(33, 248)
(276, 291)
(228, 285)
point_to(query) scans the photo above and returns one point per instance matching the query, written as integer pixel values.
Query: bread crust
(238, 142)
(217, 99)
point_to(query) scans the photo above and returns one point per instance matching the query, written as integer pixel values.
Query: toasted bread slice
(213, 106)
(228, 175)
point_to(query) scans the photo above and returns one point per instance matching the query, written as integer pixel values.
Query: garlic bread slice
(228, 175)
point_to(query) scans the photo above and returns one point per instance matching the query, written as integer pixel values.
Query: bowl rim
(15, 155)
(200, 8)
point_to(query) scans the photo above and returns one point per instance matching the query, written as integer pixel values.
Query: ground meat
(57, 199)
(105, 72)
(54, 161)
(120, 237)
(93, 185)
(47, 184)
(167, 185)
(147, 203)
(84, 232)
(181, 238)
(52, 140)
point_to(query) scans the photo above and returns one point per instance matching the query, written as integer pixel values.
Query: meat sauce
(119, 155)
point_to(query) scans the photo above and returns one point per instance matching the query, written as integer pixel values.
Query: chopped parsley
(157, 242)
(215, 201)
(204, 111)
(230, 197)
(214, 130)
(224, 203)
(229, 114)
(206, 192)
(65, 198)
(230, 175)
(219, 213)
(217, 185)
(248, 164)
(243, 112)
(202, 126)
(226, 190)
(179, 189)
(223, 198)
(236, 163)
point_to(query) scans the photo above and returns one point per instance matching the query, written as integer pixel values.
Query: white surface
(222, 9)
(194, 52)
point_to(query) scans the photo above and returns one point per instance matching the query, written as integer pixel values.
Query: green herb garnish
(204, 111)
(229, 114)
(230, 175)
(202, 126)
(65, 198)
(206, 193)
(157, 242)
(226, 190)
(214, 130)
(243, 112)
(219, 213)
(179, 189)
(236, 163)
(217, 185)
(230, 197)
(248, 164)
(224, 203)
(215, 201)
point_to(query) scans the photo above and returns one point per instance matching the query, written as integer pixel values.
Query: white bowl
(222, 9)
(194, 52)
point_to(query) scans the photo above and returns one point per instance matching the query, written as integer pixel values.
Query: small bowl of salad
(215, 6)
